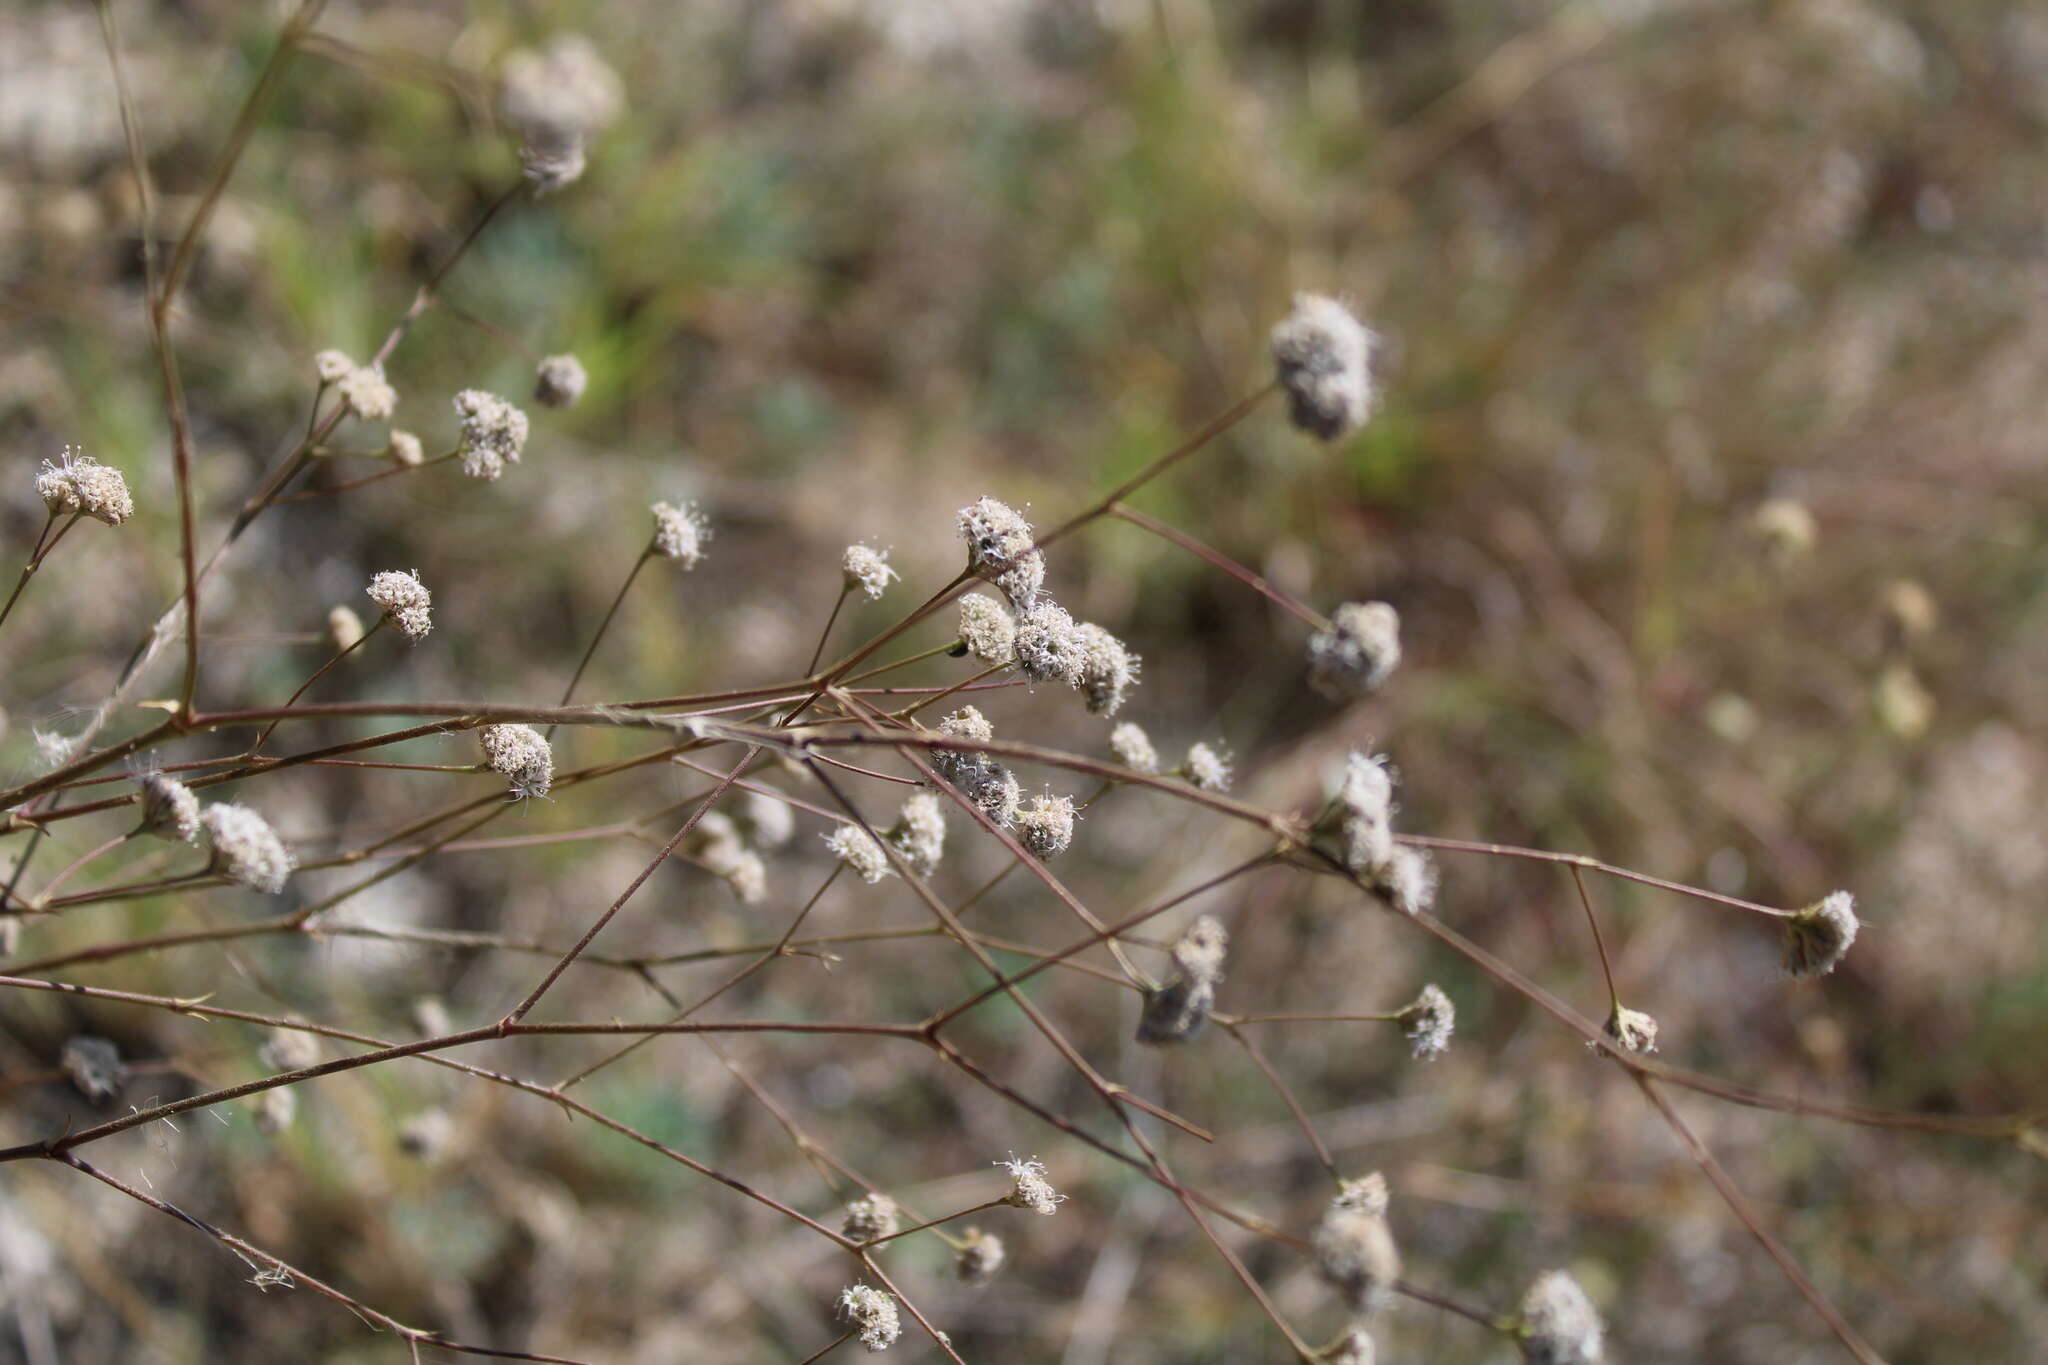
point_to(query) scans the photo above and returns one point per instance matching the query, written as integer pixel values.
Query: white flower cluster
(493, 434)
(405, 600)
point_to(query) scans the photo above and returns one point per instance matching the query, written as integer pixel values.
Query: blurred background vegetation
(1644, 266)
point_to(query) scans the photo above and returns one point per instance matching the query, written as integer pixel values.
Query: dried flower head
(1177, 1012)
(556, 100)
(1208, 768)
(169, 809)
(1045, 825)
(1429, 1023)
(1001, 549)
(1108, 670)
(558, 381)
(872, 1314)
(1132, 747)
(1360, 651)
(94, 1066)
(405, 600)
(82, 484)
(1000, 796)
(1356, 1253)
(860, 851)
(275, 1109)
(493, 434)
(1632, 1030)
(1818, 936)
(980, 1257)
(333, 366)
(1323, 356)
(1559, 1325)
(367, 395)
(1049, 645)
(245, 847)
(520, 754)
(1028, 1189)
(1785, 528)
(1199, 952)
(407, 450)
(965, 768)
(1353, 1348)
(680, 533)
(1367, 1193)
(770, 819)
(867, 569)
(987, 630)
(920, 833)
(344, 628)
(869, 1218)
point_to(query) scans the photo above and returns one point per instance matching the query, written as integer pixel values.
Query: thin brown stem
(1217, 559)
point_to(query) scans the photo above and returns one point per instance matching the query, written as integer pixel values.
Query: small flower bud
(1207, 768)
(1910, 612)
(1356, 1253)
(1902, 703)
(1049, 646)
(867, 569)
(1360, 651)
(1045, 825)
(1323, 356)
(1785, 528)
(427, 1136)
(407, 450)
(558, 381)
(1633, 1030)
(521, 756)
(344, 628)
(859, 850)
(1001, 549)
(333, 366)
(680, 533)
(1818, 936)
(169, 809)
(405, 600)
(1132, 747)
(869, 1218)
(873, 1315)
(920, 833)
(1559, 1325)
(980, 1257)
(245, 847)
(987, 630)
(95, 1067)
(1108, 670)
(1029, 1189)
(493, 434)
(367, 396)
(1429, 1023)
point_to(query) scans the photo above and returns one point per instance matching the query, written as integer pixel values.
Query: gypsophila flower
(1207, 768)
(1429, 1023)
(556, 100)
(1001, 549)
(83, 484)
(987, 630)
(405, 600)
(333, 366)
(1818, 936)
(770, 819)
(169, 809)
(1108, 670)
(680, 533)
(980, 1257)
(1045, 825)
(558, 381)
(245, 847)
(406, 449)
(859, 850)
(747, 873)
(493, 434)
(1029, 1189)
(1355, 1252)
(344, 628)
(1049, 649)
(1360, 651)
(275, 1109)
(1632, 1029)
(1132, 747)
(367, 395)
(873, 1315)
(867, 569)
(869, 1218)
(94, 1066)
(920, 833)
(1353, 1348)
(719, 847)
(1367, 1193)
(1559, 1325)
(54, 486)
(1323, 356)
(521, 756)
